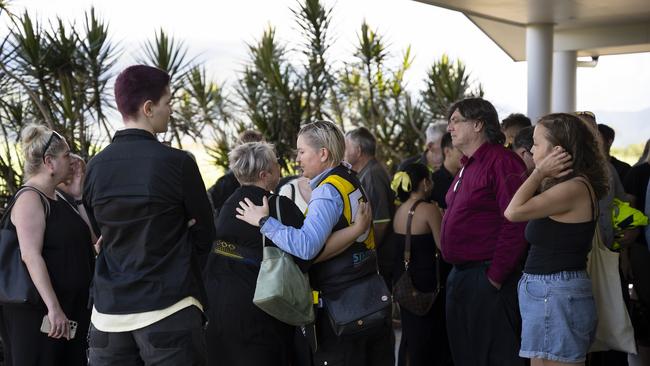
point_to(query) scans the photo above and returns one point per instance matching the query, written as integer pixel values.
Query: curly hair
(579, 139)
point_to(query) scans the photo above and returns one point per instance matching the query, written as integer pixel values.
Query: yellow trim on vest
(347, 191)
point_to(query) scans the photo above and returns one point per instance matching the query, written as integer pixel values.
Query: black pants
(372, 349)
(425, 337)
(175, 340)
(483, 323)
(25, 345)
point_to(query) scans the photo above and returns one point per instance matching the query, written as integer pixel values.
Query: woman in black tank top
(555, 299)
(424, 337)
(56, 248)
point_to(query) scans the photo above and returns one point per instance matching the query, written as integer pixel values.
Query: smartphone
(45, 326)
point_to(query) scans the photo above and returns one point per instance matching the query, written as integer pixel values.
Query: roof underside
(590, 27)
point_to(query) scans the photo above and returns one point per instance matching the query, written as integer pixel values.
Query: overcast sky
(218, 30)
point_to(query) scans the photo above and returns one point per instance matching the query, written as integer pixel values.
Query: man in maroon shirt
(486, 249)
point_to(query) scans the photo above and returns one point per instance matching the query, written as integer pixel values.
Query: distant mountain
(630, 127)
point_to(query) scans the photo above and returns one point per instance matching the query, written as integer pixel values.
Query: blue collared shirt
(323, 212)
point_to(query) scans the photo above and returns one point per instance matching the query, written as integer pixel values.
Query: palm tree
(56, 76)
(376, 97)
(447, 81)
(271, 94)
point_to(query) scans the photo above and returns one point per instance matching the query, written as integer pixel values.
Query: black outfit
(442, 180)
(239, 333)
(140, 195)
(372, 348)
(474, 302)
(221, 190)
(558, 246)
(636, 184)
(425, 336)
(69, 258)
(622, 168)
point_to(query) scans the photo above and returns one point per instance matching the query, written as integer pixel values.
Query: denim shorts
(558, 316)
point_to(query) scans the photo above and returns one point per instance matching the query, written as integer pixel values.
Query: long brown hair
(581, 141)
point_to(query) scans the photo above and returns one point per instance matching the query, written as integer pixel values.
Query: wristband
(262, 221)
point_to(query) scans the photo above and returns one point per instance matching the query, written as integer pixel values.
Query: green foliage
(271, 95)
(57, 75)
(447, 81)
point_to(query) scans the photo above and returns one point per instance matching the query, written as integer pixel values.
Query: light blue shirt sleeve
(324, 210)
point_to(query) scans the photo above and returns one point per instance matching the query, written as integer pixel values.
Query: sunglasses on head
(586, 114)
(54, 135)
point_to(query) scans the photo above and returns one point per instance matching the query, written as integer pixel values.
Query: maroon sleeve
(509, 173)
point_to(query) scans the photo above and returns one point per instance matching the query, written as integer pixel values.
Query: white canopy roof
(590, 27)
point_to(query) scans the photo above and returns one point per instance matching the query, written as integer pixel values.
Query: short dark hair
(606, 131)
(524, 139)
(135, 85)
(481, 110)
(446, 141)
(417, 172)
(516, 120)
(365, 139)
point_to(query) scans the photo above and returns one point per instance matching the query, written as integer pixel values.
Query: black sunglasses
(49, 142)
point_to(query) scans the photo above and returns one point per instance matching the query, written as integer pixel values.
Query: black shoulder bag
(16, 286)
(404, 292)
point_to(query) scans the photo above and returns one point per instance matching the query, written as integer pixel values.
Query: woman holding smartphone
(56, 247)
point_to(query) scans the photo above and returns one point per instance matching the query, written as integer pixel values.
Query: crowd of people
(136, 264)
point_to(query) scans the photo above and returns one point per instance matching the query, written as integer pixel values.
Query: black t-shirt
(442, 180)
(622, 168)
(221, 190)
(636, 184)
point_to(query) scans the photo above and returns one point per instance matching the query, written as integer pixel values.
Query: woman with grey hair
(336, 197)
(239, 333)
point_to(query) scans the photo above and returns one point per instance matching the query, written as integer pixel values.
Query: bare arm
(559, 199)
(434, 219)
(28, 217)
(340, 240)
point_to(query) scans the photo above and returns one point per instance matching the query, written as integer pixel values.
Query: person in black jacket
(227, 183)
(140, 194)
(239, 333)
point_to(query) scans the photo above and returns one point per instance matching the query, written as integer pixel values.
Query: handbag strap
(277, 213)
(407, 246)
(407, 242)
(46, 204)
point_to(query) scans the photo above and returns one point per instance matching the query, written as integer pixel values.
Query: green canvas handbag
(282, 290)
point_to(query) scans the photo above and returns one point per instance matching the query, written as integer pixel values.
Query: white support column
(539, 55)
(564, 81)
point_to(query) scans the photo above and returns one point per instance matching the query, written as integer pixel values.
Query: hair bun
(30, 133)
